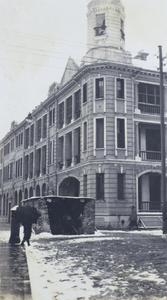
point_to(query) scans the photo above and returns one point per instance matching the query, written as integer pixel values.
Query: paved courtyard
(114, 265)
(108, 265)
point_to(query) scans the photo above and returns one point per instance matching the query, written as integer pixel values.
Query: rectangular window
(51, 152)
(120, 88)
(44, 133)
(100, 25)
(39, 130)
(121, 186)
(85, 185)
(85, 93)
(99, 133)
(51, 115)
(32, 135)
(77, 104)
(21, 138)
(17, 144)
(149, 93)
(26, 138)
(26, 167)
(12, 144)
(68, 150)
(85, 136)
(77, 142)
(21, 166)
(61, 115)
(38, 162)
(99, 88)
(120, 133)
(31, 165)
(69, 110)
(11, 170)
(43, 160)
(6, 149)
(100, 186)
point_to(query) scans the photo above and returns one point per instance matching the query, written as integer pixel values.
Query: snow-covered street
(107, 265)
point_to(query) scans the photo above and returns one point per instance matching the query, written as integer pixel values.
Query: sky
(38, 36)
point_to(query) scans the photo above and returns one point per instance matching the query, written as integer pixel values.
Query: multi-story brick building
(97, 134)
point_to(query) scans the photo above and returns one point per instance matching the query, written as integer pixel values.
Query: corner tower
(105, 32)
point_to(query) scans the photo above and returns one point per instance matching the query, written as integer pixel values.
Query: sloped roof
(69, 72)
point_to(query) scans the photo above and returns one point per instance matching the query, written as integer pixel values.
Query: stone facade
(97, 135)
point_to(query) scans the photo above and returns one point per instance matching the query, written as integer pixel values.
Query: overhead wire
(54, 52)
(61, 40)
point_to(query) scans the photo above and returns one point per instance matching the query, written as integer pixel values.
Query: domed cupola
(105, 31)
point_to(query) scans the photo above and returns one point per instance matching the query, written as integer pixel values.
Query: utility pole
(163, 169)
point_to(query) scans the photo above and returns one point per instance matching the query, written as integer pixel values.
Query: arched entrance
(149, 191)
(44, 189)
(31, 192)
(37, 190)
(15, 203)
(20, 196)
(69, 187)
(25, 193)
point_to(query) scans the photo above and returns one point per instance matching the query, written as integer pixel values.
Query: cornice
(114, 66)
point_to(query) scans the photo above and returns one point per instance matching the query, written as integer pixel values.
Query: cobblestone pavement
(14, 277)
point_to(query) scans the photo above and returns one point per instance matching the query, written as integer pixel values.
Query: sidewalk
(14, 276)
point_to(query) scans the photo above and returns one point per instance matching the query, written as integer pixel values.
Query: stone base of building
(112, 222)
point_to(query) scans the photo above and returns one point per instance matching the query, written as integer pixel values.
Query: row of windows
(28, 166)
(120, 88)
(41, 133)
(120, 138)
(148, 95)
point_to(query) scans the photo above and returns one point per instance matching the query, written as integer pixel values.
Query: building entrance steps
(151, 222)
(14, 276)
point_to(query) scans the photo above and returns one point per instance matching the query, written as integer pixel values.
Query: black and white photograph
(83, 150)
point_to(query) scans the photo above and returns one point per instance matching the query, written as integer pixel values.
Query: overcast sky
(38, 36)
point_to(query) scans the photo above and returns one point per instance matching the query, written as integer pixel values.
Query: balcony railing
(152, 206)
(149, 109)
(150, 155)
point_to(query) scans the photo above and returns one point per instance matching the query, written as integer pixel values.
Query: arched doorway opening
(15, 203)
(149, 191)
(38, 190)
(44, 189)
(20, 196)
(69, 187)
(31, 192)
(25, 193)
